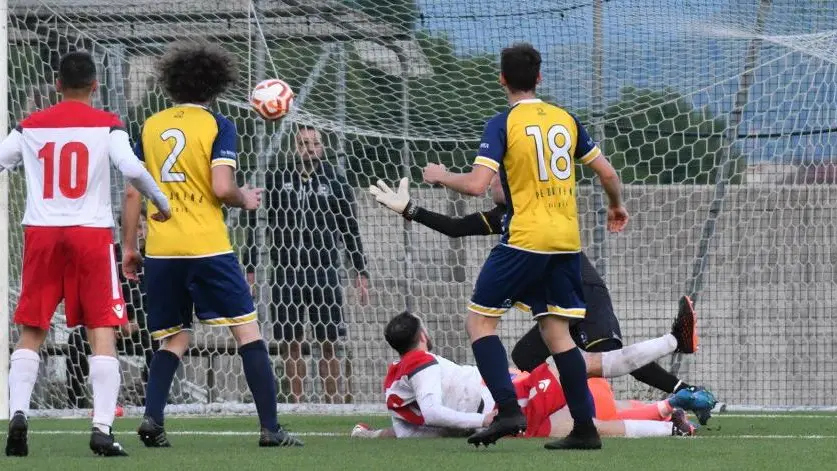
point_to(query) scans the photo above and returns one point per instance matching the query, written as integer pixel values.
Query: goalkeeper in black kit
(597, 332)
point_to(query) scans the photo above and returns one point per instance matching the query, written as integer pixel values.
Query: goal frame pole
(4, 216)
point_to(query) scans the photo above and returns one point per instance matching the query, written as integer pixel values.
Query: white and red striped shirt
(429, 395)
(66, 152)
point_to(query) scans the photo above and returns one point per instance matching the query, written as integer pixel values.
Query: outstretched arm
(124, 159)
(483, 223)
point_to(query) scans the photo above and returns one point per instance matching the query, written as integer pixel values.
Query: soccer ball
(272, 98)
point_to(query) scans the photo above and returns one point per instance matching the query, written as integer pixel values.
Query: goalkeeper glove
(398, 201)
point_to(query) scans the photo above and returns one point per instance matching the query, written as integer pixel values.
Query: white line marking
(775, 416)
(227, 433)
(222, 433)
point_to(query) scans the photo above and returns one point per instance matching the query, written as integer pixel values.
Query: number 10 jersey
(534, 146)
(179, 146)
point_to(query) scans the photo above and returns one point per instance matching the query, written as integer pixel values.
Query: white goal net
(720, 116)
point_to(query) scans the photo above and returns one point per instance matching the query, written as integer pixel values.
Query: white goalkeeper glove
(398, 201)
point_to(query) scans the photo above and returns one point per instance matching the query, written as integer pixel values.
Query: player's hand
(434, 173)
(127, 330)
(396, 201)
(131, 261)
(252, 197)
(362, 285)
(251, 281)
(617, 218)
(489, 417)
(162, 215)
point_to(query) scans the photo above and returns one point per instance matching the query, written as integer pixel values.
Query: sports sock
(680, 385)
(494, 368)
(259, 374)
(23, 373)
(647, 428)
(657, 411)
(160, 375)
(572, 372)
(658, 377)
(104, 380)
(621, 362)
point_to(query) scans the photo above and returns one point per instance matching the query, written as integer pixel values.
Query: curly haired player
(190, 265)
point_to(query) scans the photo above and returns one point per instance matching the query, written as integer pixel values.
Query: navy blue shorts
(542, 284)
(213, 288)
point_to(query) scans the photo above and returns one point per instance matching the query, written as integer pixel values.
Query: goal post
(5, 253)
(727, 158)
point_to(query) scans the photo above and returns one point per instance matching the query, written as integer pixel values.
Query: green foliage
(658, 137)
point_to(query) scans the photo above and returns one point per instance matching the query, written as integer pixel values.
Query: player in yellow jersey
(190, 267)
(536, 266)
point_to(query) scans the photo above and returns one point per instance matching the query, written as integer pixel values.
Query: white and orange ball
(272, 98)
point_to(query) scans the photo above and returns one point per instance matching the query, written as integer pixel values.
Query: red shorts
(546, 396)
(76, 264)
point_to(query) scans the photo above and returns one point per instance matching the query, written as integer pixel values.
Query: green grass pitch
(792, 442)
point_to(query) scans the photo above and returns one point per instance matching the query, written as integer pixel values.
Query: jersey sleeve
(224, 148)
(11, 151)
(427, 383)
(493, 144)
(586, 149)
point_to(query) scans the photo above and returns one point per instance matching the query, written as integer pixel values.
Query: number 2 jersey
(179, 146)
(67, 151)
(534, 146)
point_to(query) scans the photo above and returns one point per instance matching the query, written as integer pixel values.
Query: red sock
(657, 411)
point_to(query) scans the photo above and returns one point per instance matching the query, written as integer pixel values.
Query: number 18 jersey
(179, 146)
(535, 145)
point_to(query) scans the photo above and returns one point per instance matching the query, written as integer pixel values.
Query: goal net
(718, 114)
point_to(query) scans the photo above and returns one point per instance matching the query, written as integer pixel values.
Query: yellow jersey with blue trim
(534, 146)
(179, 147)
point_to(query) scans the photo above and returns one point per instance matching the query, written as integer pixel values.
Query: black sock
(161, 373)
(259, 375)
(572, 372)
(494, 368)
(658, 377)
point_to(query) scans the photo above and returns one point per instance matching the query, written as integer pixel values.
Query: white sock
(104, 379)
(22, 376)
(621, 362)
(647, 428)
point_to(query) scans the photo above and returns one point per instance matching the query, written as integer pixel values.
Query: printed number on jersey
(73, 162)
(559, 152)
(167, 175)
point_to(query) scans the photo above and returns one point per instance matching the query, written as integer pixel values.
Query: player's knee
(31, 338)
(177, 343)
(246, 333)
(479, 326)
(102, 341)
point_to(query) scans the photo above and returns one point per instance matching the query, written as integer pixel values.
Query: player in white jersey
(430, 396)
(68, 255)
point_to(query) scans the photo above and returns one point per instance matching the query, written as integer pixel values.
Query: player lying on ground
(534, 147)
(190, 266)
(428, 395)
(67, 151)
(598, 331)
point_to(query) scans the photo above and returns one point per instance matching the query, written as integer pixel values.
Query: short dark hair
(402, 332)
(196, 71)
(76, 70)
(520, 65)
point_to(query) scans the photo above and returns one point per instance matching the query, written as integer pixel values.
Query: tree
(659, 137)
